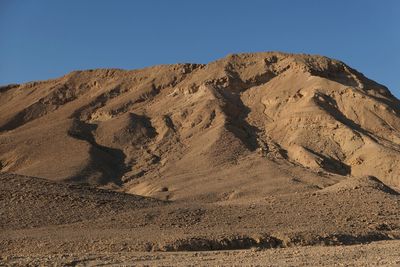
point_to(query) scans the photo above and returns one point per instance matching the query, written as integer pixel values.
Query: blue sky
(42, 39)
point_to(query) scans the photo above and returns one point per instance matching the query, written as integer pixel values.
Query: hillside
(247, 125)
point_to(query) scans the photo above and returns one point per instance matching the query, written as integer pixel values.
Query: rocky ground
(78, 223)
(383, 253)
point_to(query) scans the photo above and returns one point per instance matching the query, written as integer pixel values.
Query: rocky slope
(245, 126)
(40, 217)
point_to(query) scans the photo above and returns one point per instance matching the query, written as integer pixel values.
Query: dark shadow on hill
(329, 104)
(236, 122)
(332, 165)
(382, 186)
(230, 88)
(336, 73)
(60, 95)
(106, 165)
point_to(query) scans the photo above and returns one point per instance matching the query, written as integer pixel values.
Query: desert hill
(244, 126)
(266, 150)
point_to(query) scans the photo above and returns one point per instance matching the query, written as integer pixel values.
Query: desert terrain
(255, 159)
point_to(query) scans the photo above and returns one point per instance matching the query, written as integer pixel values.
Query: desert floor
(382, 253)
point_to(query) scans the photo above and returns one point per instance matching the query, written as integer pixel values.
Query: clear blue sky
(42, 39)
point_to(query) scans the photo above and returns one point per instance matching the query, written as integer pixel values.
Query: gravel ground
(383, 253)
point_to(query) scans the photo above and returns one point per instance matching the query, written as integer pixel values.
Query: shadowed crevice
(229, 88)
(331, 165)
(330, 105)
(106, 164)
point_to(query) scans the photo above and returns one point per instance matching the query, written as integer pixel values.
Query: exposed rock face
(245, 124)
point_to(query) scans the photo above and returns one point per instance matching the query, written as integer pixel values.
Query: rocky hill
(245, 126)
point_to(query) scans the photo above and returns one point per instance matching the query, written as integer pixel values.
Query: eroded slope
(245, 126)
